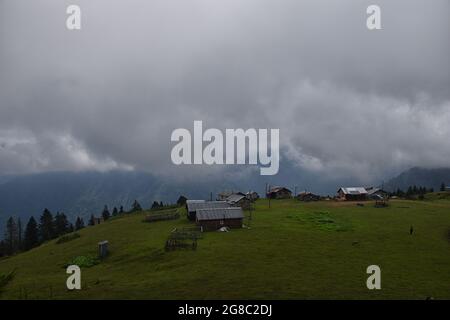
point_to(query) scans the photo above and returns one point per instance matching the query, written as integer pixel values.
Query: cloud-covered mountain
(430, 178)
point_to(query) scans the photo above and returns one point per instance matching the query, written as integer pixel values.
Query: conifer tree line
(19, 237)
(414, 190)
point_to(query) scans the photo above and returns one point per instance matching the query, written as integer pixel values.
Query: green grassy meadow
(292, 250)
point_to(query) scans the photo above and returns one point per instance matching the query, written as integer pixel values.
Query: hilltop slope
(293, 250)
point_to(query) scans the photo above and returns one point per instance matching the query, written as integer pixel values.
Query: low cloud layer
(347, 101)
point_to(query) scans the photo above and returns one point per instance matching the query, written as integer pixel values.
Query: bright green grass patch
(83, 261)
(322, 220)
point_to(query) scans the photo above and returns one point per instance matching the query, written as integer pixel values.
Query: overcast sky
(347, 100)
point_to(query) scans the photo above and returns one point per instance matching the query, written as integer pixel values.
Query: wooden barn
(237, 200)
(214, 219)
(352, 193)
(308, 196)
(193, 205)
(279, 193)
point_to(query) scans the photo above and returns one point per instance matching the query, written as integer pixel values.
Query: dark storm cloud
(346, 99)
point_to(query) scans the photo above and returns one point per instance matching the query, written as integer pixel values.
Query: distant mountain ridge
(73, 193)
(430, 178)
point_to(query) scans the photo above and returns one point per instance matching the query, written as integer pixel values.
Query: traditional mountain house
(214, 219)
(352, 193)
(193, 205)
(279, 193)
(225, 194)
(238, 200)
(376, 193)
(222, 196)
(308, 196)
(252, 196)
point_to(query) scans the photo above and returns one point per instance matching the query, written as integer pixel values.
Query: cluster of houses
(343, 193)
(227, 209)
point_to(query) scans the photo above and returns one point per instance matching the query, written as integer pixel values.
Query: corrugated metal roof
(235, 198)
(220, 213)
(196, 205)
(373, 190)
(353, 190)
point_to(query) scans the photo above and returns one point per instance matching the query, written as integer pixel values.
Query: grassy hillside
(292, 250)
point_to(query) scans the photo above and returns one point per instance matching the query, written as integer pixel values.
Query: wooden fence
(169, 215)
(183, 238)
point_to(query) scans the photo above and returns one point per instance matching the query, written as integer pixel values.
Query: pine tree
(121, 210)
(115, 212)
(20, 233)
(181, 201)
(136, 206)
(31, 237)
(11, 237)
(442, 187)
(79, 223)
(2, 249)
(155, 205)
(92, 220)
(410, 191)
(46, 226)
(61, 224)
(105, 213)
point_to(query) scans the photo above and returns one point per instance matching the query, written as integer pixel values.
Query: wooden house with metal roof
(214, 219)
